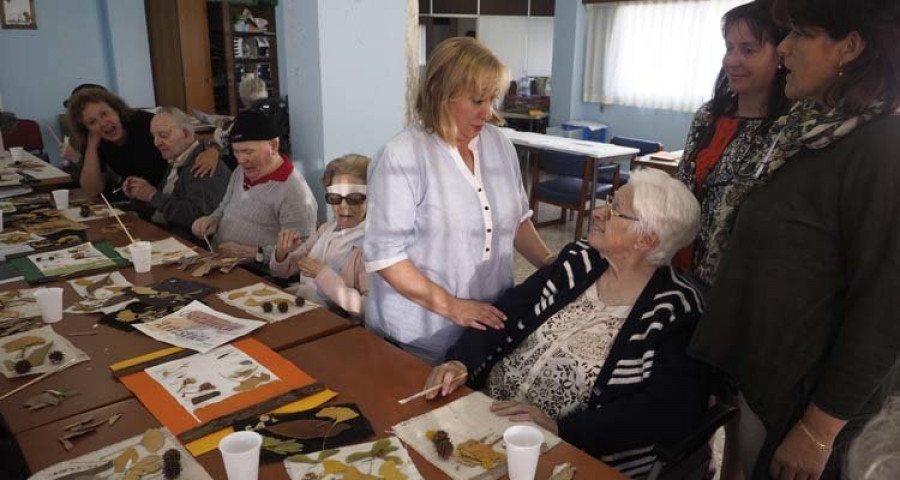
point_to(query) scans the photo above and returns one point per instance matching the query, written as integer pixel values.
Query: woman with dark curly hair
(801, 317)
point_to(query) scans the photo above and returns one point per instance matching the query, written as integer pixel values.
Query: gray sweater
(255, 216)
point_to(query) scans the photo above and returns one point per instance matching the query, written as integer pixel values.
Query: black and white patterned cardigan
(648, 391)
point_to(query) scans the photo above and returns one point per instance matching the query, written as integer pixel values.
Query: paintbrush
(38, 379)
(113, 212)
(208, 245)
(53, 134)
(428, 390)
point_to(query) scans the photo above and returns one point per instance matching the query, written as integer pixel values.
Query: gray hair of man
(180, 119)
(251, 89)
(875, 453)
(665, 208)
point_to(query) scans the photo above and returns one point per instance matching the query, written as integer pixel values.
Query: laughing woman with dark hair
(801, 317)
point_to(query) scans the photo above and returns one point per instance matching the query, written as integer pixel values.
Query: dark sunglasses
(353, 199)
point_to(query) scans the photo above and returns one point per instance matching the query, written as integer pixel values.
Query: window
(654, 54)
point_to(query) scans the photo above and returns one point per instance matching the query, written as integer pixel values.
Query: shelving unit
(227, 68)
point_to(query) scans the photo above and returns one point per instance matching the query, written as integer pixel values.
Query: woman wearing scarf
(330, 261)
(801, 318)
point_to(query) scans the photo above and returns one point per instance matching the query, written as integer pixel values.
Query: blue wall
(569, 35)
(74, 44)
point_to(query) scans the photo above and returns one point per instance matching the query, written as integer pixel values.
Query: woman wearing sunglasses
(330, 261)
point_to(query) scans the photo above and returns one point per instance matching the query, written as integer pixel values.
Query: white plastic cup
(240, 453)
(61, 199)
(141, 256)
(50, 301)
(18, 154)
(523, 447)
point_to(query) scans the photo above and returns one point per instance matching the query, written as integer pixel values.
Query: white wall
(524, 44)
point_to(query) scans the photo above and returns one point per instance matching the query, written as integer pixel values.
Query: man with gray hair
(182, 196)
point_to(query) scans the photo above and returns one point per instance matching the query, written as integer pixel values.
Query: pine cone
(56, 357)
(442, 444)
(299, 301)
(267, 307)
(283, 307)
(22, 367)
(172, 464)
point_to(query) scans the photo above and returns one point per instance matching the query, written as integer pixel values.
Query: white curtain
(654, 54)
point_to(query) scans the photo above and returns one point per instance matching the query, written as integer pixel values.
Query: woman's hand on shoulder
(477, 315)
(523, 412)
(449, 375)
(288, 240)
(206, 163)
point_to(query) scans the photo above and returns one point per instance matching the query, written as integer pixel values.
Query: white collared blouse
(457, 227)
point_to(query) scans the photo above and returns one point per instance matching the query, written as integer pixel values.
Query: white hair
(181, 120)
(666, 208)
(251, 89)
(875, 453)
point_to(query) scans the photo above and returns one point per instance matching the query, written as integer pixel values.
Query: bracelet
(821, 446)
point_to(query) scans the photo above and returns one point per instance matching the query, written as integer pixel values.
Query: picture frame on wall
(17, 14)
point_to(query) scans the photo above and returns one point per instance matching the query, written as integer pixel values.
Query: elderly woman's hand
(204, 226)
(477, 315)
(523, 412)
(288, 240)
(206, 163)
(451, 375)
(310, 266)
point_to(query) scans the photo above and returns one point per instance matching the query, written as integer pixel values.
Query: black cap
(251, 125)
(83, 86)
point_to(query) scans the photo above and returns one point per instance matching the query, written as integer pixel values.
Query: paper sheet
(37, 352)
(251, 298)
(97, 212)
(98, 301)
(73, 259)
(198, 327)
(368, 466)
(167, 250)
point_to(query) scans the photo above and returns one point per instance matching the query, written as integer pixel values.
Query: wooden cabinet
(504, 7)
(542, 8)
(179, 53)
(454, 7)
(237, 53)
(523, 8)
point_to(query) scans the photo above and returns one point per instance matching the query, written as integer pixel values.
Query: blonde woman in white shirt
(330, 262)
(447, 209)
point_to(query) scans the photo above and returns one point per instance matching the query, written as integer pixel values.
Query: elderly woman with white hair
(594, 345)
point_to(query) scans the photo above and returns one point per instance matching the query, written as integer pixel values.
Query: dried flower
(22, 367)
(172, 464)
(56, 357)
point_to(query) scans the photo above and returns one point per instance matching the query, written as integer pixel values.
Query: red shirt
(280, 174)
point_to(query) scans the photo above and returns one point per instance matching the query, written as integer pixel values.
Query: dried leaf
(126, 316)
(242, 373)
(121, 462)
(252, 382)
(327, 453)
(41, 400)
(281, 447)
(338, 414)
(143, 291)
(39, 355)
(202, 398)
(237, 295)
(307, 429)
(300, 458)
(357, 456)
(252, 302)
(153, 440)
(113, 419)
(382, 447)
(103, 282)
(264, 292)
(473, 451)
(390, 471)
(333, 467)
(563, 471)
(22, 343)
(353, 474)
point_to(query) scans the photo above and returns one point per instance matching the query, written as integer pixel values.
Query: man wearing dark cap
(265, 195)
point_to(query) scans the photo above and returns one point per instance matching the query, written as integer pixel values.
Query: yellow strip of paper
(144, 358)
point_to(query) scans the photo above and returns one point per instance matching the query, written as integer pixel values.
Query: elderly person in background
(330, 262)
(447, 209)
(265, 195)
(593, 348)
(182, 196)
(801, 318)
(119, 138)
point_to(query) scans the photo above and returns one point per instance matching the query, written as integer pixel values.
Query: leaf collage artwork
(156, 301)
(266, 302)
(165, 251)
(155, 454)
(80, 258)
(200, 380)
(384, 459)
(36, 351)
(88, 212)
(13, 243)
(198, 327)
(102, 293)
(18, 304)
(308, 432)
(202, 265)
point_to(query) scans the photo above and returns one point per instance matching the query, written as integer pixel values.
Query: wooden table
(363, 368)
(646, 162)
(95, 384)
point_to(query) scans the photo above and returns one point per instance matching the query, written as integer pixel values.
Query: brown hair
(875, 73)
(457, 66)
(80, 100)
(350, 164)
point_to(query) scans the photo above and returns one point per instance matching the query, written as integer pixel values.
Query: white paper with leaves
(12, 243)
(98, 300)
(225, 371)
(198, 327)
(335, 466)
(167, 250)
(35, 347)
(251, 299)
(72, 259)
(138, 457)
(19, 303)
(97, 212)
(465, 419)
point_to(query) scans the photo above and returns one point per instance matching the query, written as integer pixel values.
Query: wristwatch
(260, 258)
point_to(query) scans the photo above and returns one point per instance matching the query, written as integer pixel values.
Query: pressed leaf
(126, 316)
(252, 382)
(264, 292)
(143, 291)
(300, 458)
(103, 282)
(38, 355)
(306, 429)
(389, 471)
(353, 474)
(327, 453)
(153, 440)
(22, 343)
(355, 457)
(252, 302)
(338, 414)
(237, 295)
(281, 447)
(124, 458)
(381, 447)
(333, 467)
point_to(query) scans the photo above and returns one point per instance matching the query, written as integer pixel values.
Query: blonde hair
(458, 66)
(350, 164)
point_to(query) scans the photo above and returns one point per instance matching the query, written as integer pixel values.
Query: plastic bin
(593, 131)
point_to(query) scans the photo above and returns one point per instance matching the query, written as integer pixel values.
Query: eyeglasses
(353, 199)
(612, 212)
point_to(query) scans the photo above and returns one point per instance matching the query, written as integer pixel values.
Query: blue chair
(571, 189)
(645, 147)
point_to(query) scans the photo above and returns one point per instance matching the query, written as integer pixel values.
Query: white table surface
(48, 172)
(600, 151)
